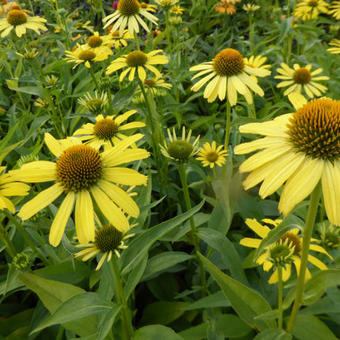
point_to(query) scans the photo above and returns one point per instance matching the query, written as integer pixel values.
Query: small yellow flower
(40, 102)
(336, 48)
(108, 130)
(166, 4)
(226, 75)
(310, 9)
(99, 44)
(137, 62)
(108, 241)
(180, 150)
(19, 21)
(335, 9)
(94, 103)
(118, 39)
(9, 187)
(210, 155)
(177, 10)
(283, 252)
(129, 14)
(250, 7)
(301, 79)
(86, 56)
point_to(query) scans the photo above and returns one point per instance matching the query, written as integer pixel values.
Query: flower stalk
(307, 234)
(280, 296)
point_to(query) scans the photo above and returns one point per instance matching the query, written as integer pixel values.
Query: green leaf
(84, 304)
(106, 324)
(308, 327)
(143, 241)
(34, 90)
(226, 250)
(156, 332)
(212, 301)
(53, 294)
(247, 302)
(163, 312)
(273, 334)
(164, 261)
(315, 287)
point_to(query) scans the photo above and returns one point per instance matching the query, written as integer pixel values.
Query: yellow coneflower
(107, 130)
(119, 39)
(299, 149)
(128, 14)
(10, 187)
(99, 44)
(19, 21)
(227, 75)
(94, 103)
(138, 61)
(301, 79)
(225, 7)
(177, 10)
(283, 252)
(180, 150)
(336, 48)
(86, 56)
(108, 241)
(210, 155)
(250, 7)
(84, 176)
(335, 9)
(310, 9)
(166, 4)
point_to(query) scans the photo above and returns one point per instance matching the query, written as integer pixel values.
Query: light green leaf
(106, 324)
(164, 261)
(247, 302)
(84, 304)
(143, 241)
(212, 301)
(308, 327)
(273, 334)
(156, 332)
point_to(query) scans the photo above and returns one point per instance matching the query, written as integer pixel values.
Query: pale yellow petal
(317, 263)
(257, 228)
(250, 242)
(124, 176)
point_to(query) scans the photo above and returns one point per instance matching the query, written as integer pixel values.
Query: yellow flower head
(84, 176)
(86, 56)
(283, 252)
(226, 75)
(19, 21)
(180, 150)
(335, 9)
(99, 44)
(94, 103)
(138, 61)
(250, 7)
(129, 14)
(301, 79)
(336, 48)
(166, 3)
(310, 9)
(210, 155)
(177, 10)
(118, 39)
(9, 187)
(108, 241)
(299, 149)
(107, 130)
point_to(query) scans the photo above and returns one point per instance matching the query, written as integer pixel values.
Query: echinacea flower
(107, 130)
(137, 62)
(9, 187)
(283, 252)
(299, 149)
(227, 75)
(129, 14)
(210, 155)
(336, 48)
(250, 7)
(94, 103)
(108, 241)
(177, 10)
(180, 150)
(118, 39)
(84, 176)
(166, 4)
(301, 79)
(335, 9)
(330, 235)
(225, 7)
(19, 21)
(99, 44)
(310, 9)
(86, 56)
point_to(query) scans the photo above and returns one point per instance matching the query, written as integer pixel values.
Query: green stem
(227, 127)
(307, 234)
(184, 182)
(137, 41)
(26, 237)
(280, 295)
(8, 243)
(125, 311)
(94, 78)
(251, 33)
